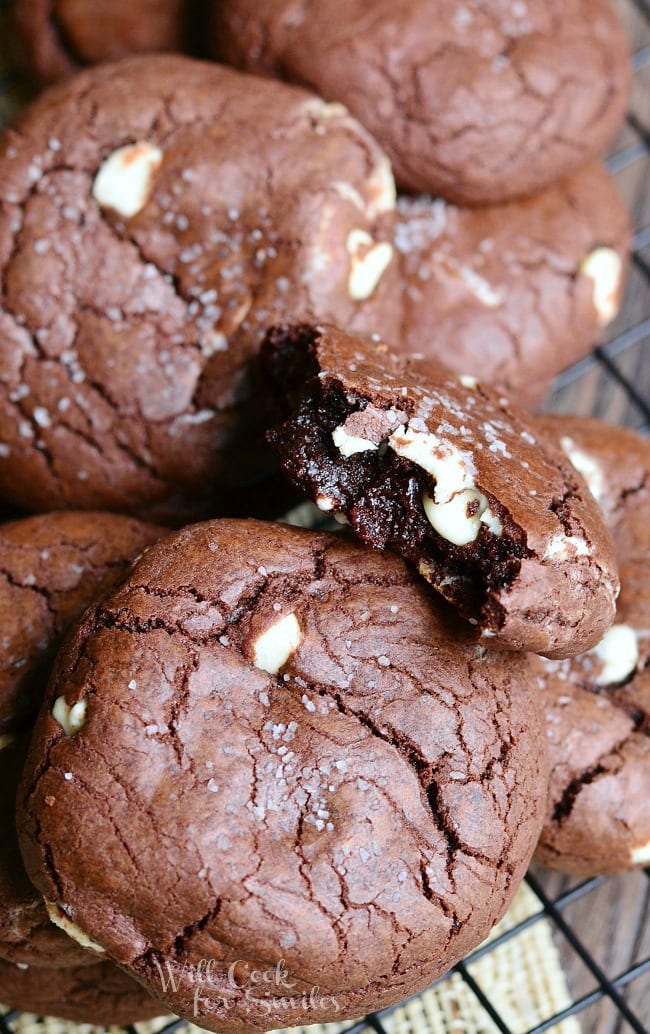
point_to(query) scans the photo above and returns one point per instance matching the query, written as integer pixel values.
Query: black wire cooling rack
(601, 927)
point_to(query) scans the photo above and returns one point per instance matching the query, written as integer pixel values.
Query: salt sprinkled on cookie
(130, 387)
(316, 753)
(448, 473)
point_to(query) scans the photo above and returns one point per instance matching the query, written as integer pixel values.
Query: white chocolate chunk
(60, 919)
(619, 652)
(491, 522)
(125, 180)
(468, 381)
(380, 188)
(605, 268)
(452, 468)
(350, 444)
(381, 184)
(275, 646)
(71, 719)
(324, 503)
(368, 263)
(452, 520)
(480, 288)
(641, 855)
(561, 547)
(326, 109)
(585, 465)
(349, 193)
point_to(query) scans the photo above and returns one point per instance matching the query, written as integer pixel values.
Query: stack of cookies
(260, 775)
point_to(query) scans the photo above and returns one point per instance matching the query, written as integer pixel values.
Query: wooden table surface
(612, 922)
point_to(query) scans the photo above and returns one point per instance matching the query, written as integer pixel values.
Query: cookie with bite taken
(451, 475)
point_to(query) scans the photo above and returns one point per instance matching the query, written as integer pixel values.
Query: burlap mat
(522, 977)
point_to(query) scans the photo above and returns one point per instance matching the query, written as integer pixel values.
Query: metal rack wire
(612, 382)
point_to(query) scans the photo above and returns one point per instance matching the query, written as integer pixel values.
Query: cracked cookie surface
(514, 293)
(100, 994)
(291, 751)
(155, 216)
(28, 938)
(446, 472)
(59, 36)
(598, 705)
(51, 568)
(475, 102)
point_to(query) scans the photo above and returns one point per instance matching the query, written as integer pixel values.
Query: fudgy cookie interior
(379, 490)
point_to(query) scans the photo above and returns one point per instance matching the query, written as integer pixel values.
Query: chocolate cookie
(475, 102)
(28, 936)
(99, 994)
(59, 36)
(598, 704)
(157, 215)
(299, 763)
(514, 293)
(614, 462)
(51, 568)
(447, 473)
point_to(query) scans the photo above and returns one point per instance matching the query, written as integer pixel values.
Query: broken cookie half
(449, 474)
